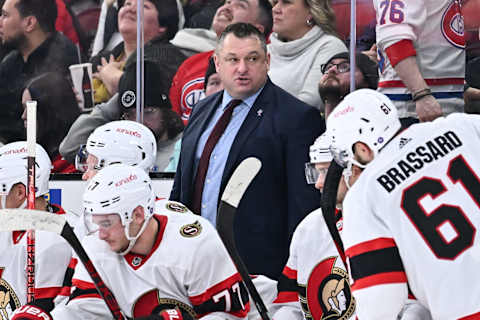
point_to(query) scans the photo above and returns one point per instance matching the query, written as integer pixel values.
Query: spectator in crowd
(422, 56)
(57, 109)
(158, 114)
(29, 28)
(197, 36)
(107, 36)
(334, 84)
(212, 84)
(267, 123)
(303, 39)
(160, 25)
(472, 86)
(64, 22)
(187, 85)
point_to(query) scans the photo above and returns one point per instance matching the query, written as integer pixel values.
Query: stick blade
(25, 219)
(240, 180)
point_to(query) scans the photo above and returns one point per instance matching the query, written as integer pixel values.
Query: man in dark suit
(267, 123)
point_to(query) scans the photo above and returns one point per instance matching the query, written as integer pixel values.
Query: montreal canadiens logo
(128, 99)
(453, 28)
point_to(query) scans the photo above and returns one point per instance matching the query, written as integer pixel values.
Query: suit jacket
(278, 130)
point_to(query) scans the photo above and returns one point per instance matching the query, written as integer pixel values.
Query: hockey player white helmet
(123, 141)
(119, 189)
(13, 168)
(364, 115)
(319, 153)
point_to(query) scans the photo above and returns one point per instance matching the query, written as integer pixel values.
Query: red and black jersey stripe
(375, 262)
(223, 297)
(287, 286)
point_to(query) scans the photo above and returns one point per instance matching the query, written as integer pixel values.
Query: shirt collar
(249, 101)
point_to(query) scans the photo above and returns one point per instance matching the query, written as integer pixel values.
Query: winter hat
(210, 70)
(155, 87)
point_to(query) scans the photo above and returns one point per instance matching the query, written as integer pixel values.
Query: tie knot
(233, 103)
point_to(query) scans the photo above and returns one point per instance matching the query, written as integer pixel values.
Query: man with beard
(157, 114)
(335, 82)
(28, 27)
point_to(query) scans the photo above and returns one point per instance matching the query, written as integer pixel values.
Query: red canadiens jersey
(188, 268)
(314, 283)
(435, 27)
(412, 218)
(52, 257)
(188, 84)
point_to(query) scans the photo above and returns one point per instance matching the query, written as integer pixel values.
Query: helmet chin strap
(133, 240)
(347, 172)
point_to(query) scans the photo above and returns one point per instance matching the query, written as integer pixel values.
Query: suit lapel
(261, 106)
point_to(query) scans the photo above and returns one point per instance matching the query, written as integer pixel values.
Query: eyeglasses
(342, 67)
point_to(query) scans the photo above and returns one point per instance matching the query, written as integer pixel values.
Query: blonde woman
(303, 38)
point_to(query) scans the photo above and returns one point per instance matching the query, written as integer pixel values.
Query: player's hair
(242, 30)
(44, 10)
(323, 15)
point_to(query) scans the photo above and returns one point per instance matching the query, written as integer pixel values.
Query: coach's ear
(363, 153)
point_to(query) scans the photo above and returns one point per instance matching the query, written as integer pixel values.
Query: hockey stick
(31, 148)
(328, 204)
(23, 219)
(236, 186)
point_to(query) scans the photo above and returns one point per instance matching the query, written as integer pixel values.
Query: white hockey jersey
(437, 31)
(188, 267)
(52, 256)
(412, 217)
(314, 284)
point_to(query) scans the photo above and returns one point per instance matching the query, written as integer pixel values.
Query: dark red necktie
(212, 140)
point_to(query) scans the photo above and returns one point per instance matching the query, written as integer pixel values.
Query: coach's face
(242, 65)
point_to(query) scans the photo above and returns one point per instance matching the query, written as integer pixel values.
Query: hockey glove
(167, 314)
(31, 312)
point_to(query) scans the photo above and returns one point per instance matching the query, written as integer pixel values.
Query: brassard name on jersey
(431, 151)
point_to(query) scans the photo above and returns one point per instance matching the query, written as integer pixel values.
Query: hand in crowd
(372, 53)
(428, 108)
(109, 72)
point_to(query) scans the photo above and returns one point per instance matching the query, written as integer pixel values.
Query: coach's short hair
(242, 30)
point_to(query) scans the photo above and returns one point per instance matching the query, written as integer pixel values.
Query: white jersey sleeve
(52, 256)
(412, 217)
(314, 283)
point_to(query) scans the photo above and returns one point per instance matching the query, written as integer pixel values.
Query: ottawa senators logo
(9, 301)
(150, 303)
(191, 230)
(176, 207)
(453, 28)
(328, 293)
